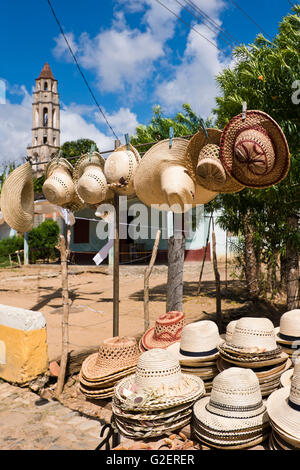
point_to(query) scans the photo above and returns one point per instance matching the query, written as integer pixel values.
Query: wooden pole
(204, 258)
(65, 317)
(217, 278)
(26, 249)
(147, 275)
(116, 269)
(226, 261)
(176, 253)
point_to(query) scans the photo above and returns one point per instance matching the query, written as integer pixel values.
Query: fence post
(26, 249)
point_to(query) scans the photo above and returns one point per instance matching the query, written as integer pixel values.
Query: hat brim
(84, 161)
(286, 378)
(284, 341)
(92, 372)
(149, 342)
(183, 359)
(285, 417)
(282, 156)
(238, 445)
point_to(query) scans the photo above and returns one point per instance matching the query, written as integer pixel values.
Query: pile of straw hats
(167, 330)
(254, 150)
(117, 357)
(288, 333)
(253, 345)
(234, 416)
(283, 407)
(120, 169)
(286, 377)
(197, 350)
(157, 399)
(164, 178)
(17, 199)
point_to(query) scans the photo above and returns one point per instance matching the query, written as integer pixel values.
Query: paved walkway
(26, 426)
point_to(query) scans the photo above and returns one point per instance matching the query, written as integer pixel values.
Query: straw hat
(286, 377)
(167, 330)
(114, 355)
(254, 151)
(205, 164)
(289, 329)
(252, 335)
(158, 383)
(59, 187)
(90, 182)
(198, 341)
(229, 331)
(163, 178)
(120, 168)
(283, 407)
(17, 198)
(235, 403)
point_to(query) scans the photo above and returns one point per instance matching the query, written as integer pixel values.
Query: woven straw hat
(205, 164)
(229, 331)
(90, 182)
(253, 335)
(167, 330)
(120, 168)
(114, 355)
(198, 341)
(286, 377)
(158, 383)
(254, 151)
(59, 187)
(283, 407)
(163, 177)
(17, 198)
(235, 403)
(289, 329)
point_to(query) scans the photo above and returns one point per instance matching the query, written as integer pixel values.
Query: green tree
(42, 240)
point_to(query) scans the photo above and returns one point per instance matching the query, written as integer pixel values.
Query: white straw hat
(17, 199)
(163, 178)
(120, 168)
(229, 331)
(198, 341)
(253, 335)
(289, 329)
(59, 187)
(283, 407)
(235, 403)
(286, 377)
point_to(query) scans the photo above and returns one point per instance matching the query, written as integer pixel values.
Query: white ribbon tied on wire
(67, 215)
(103, 253)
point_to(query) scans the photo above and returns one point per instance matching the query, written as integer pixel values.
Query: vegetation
(42, 241)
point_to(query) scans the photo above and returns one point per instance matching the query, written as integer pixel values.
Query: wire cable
(81, 72)
(250, 18)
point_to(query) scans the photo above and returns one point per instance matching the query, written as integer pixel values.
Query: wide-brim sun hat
(163, 178)
(283, 407)
(205, 165)
(254, 150)
(167, 330)
(17, 199)
(199, 341)
(59, 188)
(114, 355)
(120, 168)
(289, 330)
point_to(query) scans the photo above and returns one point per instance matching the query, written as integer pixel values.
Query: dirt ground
(38, 288)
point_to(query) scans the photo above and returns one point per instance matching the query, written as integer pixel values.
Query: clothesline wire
(250, 18)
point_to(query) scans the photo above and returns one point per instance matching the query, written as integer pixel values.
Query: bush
(42, 241)
(10, 245)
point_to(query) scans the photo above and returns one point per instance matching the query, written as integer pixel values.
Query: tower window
(45, 117)
(46, 86)
(54, 140)
(45, 139)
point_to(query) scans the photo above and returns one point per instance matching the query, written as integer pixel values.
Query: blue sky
(135, 54)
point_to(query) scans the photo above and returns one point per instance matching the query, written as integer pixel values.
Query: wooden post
(116, 270)
(176, 248)
(226, 260)
(204, 258)
(147, 275)
(65, 317)
(217, 278)
(26, 250)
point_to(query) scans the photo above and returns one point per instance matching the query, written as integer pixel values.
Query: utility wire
(189, 26)
(81, 72)
(250, 18)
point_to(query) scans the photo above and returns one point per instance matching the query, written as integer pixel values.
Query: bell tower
(45, 120)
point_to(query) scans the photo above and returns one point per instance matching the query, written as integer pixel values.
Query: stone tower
(45, 120)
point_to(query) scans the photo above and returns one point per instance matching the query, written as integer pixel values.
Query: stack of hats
(167, 330)
(253, 345)
(286, 377)
(117, 357)
(234, 416)
(157, 399)
(288, 333)
(283, 408)
(197, 350)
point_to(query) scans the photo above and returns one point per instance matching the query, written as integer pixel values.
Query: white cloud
(61, 49)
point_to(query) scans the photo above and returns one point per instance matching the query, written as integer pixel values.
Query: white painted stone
(21, 319)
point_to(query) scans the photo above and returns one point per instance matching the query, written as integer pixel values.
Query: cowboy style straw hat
(120, 168)
(203, 156)
(17, 199)
(89, 179)
(254, 150)
(289, 330)
(158, 383)
(167, 330)
(198, 342)
(164, 178)
(59, 187)
(283, 407)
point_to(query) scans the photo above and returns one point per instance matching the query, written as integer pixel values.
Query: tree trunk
(250, 259)
(292, 267)
(176, 248)
(283, 272)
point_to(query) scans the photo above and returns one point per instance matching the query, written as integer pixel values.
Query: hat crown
(295, 390)
(256, 333)
(229, 331)
(117, 350)
(236, 389)
(169, 326)
(210, 168)
(120, 165)
(58, 187)
(290, 323)
(202, 336)
(157, 367)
